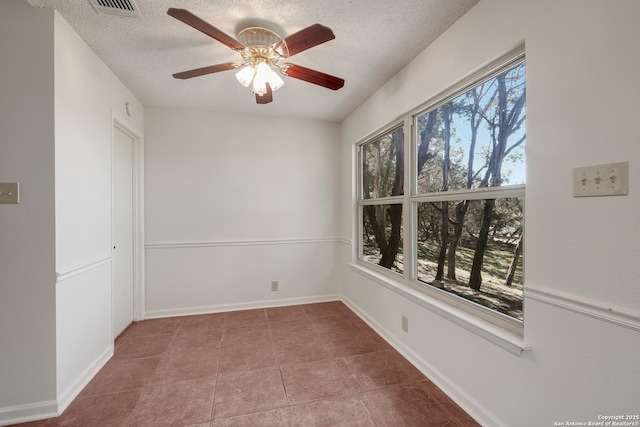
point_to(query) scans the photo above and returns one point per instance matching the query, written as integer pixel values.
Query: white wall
(57, 104)
(87, 96)
(234, 202)
(27, 257)
(581, 304)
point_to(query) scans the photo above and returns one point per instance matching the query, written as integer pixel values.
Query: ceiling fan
(262, 50)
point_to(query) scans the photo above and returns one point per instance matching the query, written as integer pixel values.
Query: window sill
(507, 340)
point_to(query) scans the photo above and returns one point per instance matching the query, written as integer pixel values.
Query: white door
(122, 229)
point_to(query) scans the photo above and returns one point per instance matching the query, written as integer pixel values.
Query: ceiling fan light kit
(262, 50)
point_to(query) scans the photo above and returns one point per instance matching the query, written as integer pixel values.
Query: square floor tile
(245, 318)
(377, 339)
(111, 409)
(203, 321)
(447, 403)
(277, 315)
(411, 370)
(122, 374)
(247, 392)
(246, 335)
(405, 405)
(350, 343)
(187, 365)
(357, 320)
(334, 325)
(177, 404)
(168, 325)
(373, 370)
(143, 346)
(342, 412)
(241, 358)
(293, 330)
(300, 349)
(324, 309)
(196, 340)
(305, 382)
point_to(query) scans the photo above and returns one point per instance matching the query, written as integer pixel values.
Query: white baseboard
(53, 408)
(29, 412)
(74, 389)
(459, 396)
(188, 311)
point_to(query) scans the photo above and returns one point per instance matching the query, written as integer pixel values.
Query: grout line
(215, 386)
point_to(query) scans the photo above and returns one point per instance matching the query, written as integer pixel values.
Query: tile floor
(306, 365)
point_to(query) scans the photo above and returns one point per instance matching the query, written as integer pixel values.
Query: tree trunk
(377, 226)
(444, 240)
(461, 208)
(390, 245)
(393, 245)
(508, 121)
(424, 155)
(398, 180)
(514, 263)
(447, 112)
(475, 279)
(461, 211)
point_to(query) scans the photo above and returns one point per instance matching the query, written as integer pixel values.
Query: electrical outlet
(405, 323)
(274, 285)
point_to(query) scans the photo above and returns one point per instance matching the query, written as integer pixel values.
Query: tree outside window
(467, 220)
(382, 178)
(473, 146)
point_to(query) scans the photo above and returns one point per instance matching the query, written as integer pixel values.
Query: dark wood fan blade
(266, 98)
(205, 70)
(312, 76)
(200, 25)
(303, 40)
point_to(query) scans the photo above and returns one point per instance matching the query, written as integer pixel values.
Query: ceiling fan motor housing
(259, 45)
(258, 36)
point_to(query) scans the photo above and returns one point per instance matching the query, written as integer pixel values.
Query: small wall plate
(9, 193)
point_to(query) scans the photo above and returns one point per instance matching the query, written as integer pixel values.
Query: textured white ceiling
(374, 40)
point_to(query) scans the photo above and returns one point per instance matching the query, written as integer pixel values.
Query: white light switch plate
(610, 179)
(9, 192)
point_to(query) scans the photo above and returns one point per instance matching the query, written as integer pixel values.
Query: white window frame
(362, 202)
(499, 328)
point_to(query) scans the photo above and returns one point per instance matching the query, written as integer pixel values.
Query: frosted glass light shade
(270, 76)
(259, 83)
(245, 75)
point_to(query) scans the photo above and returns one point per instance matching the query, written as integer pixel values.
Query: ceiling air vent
(127, 8)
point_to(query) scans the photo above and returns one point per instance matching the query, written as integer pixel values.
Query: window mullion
(394, 200)
(356, 248)
(407, 212)
(472, 194)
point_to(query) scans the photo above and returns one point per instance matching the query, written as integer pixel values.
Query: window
(382, 188)
(464, 204)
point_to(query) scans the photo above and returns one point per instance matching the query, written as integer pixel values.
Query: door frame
(138, 220)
